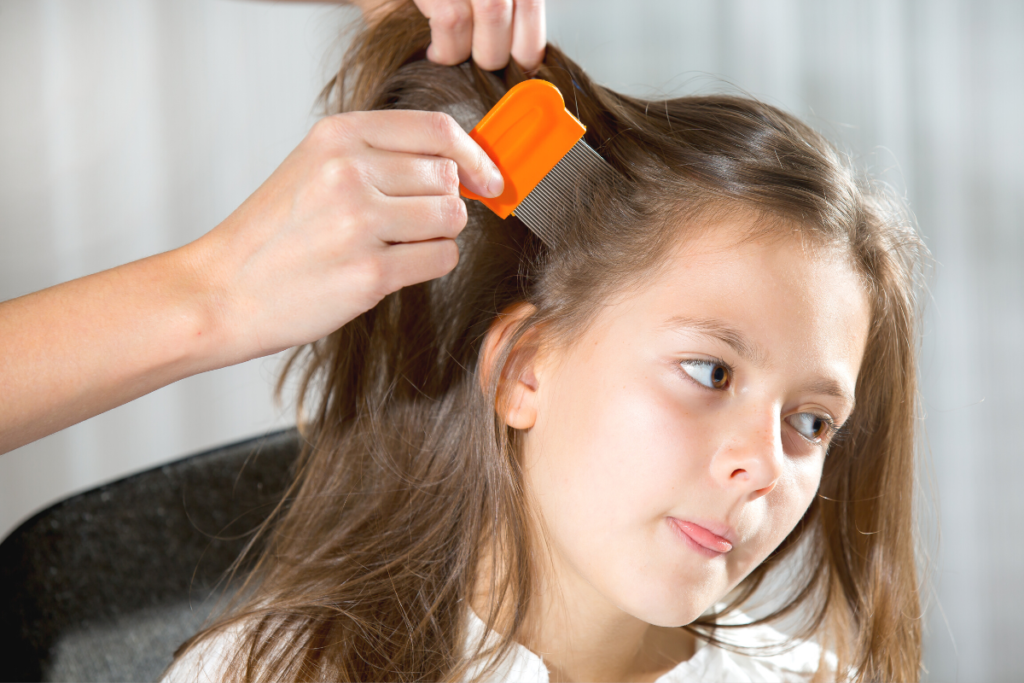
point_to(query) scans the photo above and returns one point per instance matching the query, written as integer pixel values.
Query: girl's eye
(712, 374)
(812, 427)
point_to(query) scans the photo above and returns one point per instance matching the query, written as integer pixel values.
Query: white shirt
(709, 664)
(205, 662)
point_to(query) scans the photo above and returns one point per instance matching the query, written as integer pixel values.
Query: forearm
(73, 351)
(367, 204)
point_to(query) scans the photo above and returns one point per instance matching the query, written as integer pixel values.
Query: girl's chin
(674, 620)
(672, 612)
(674, 601)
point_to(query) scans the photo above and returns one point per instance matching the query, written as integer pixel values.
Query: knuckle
(349, 225)
(453, 215)
(448, 175)
(447, 256)
(373, 276)
(321, 128)
(329, 128)
(342, 172)
(492, 11)
(444, 127)
(451, 16)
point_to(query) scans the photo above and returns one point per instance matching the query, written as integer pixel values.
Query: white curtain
(128, 127)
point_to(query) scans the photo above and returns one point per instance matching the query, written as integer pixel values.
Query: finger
(409, 264)
(417, 219)
(451, 30)
(434, 134)
(492, 33)
(395, 174)
(529, 33)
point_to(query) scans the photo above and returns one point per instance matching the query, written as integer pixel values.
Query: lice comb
(539, 148)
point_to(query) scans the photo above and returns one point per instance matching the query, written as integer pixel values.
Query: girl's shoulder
(212, 658)
(207, 660)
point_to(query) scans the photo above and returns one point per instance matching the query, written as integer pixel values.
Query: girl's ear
(517, 386)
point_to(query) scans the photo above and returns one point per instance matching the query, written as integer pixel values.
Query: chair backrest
(104, 586)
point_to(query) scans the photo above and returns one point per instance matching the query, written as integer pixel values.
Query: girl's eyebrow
(751, 351)
(831, 387)
(713, 327)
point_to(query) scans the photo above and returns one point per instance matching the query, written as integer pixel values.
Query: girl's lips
(702, 537)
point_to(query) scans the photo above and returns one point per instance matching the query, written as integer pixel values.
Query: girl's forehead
(741, 254)
(782, 290)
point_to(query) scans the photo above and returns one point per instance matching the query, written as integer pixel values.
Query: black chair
(105, 585)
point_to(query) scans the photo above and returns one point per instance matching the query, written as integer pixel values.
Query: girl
(579, 462)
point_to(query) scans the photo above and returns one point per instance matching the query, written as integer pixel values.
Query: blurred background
(129, 127)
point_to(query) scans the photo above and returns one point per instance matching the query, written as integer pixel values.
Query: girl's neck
(583, 646)
(581, 637)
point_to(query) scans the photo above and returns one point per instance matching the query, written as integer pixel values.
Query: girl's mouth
(707, 542)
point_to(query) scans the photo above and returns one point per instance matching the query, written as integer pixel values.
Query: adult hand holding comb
(366, 204)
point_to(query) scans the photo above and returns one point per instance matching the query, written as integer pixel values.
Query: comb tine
(547, 209)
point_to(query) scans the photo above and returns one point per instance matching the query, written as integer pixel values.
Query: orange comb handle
(525, 134)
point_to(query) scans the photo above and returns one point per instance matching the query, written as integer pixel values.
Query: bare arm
(366, 204)
(83, 347)
(319, 243)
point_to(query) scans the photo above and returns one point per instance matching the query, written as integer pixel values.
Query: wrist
(201, 302)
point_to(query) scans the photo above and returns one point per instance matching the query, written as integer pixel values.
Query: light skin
(702, 400)
(489, 31)
(366, 204)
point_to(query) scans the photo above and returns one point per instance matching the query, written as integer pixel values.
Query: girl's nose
(750, 457)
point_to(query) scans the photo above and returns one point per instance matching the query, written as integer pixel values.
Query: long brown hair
(371, 559)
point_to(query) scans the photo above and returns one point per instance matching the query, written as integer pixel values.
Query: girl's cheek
(621, 438)
(791, 498)
(806, 479)
(610, 450)
(647, 444)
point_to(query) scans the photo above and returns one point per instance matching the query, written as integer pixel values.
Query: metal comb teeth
(548, 209)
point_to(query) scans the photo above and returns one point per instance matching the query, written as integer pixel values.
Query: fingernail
(496, 185)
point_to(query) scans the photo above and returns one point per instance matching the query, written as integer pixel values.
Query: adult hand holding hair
(491, 31)
(366, 204)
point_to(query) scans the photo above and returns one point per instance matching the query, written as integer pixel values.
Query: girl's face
(681, 438)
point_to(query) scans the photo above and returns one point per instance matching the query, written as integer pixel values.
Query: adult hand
(489, 30)
(366, 204)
